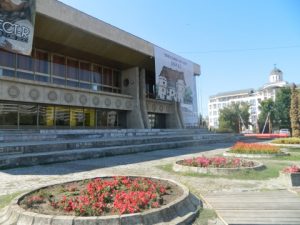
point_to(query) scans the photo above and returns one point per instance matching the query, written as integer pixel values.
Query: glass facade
(59, 69)
(157, 120)
(32, 116)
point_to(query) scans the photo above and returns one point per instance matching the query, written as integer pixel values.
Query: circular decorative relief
(96, 100)
(118, 103)
(83, 99)
(34, 94)
(68, 97)
(161, 108)
(52, 96)
(13, 91)
(107, 102)
(128, 104)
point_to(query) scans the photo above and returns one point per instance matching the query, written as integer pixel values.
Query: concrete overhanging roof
(59, 25)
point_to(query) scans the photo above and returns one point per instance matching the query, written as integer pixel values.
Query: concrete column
(143, 103)
(174, 119)
(130, 86)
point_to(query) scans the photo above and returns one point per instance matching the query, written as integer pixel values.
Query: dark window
(62, 117)
(97, 74)
(58, 81)
(72, 69)
(8, 115)
(25, 62)
(117, 78)
(28, 116)
(27, 76)
(107, 77)
(7, 59)
(41, 62)
(85, 72)
(41, 78)
(59, 66)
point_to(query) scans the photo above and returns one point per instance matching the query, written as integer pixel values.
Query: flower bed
(215, 165)
(291, 175)
(254, 150)
(290, 141)
(116, 200)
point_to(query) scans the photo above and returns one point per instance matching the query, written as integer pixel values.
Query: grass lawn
(271, 171)
(204, 216)
(6, 199)
(296, 150)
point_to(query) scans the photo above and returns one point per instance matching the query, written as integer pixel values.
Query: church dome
(275, 75)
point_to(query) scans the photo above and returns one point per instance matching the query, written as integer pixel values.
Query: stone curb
(181, 211)
(254, 156)
(216, 171)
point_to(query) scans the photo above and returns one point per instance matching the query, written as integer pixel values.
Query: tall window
(97, 78)
(58, 69)
(7, 59)
(72, 72)
(85, 75)
(41, 62)
(41, 66)
(107, 79)
(25, 67)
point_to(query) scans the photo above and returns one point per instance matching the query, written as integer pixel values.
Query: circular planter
(212, 170)
(254, 156)
(181, 211)
(290, 179)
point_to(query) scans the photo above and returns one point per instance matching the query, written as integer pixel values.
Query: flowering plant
(216, 162)
(291, 169)
(118, 195)
(254, 148)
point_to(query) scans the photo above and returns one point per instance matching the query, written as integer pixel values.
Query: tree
(294, 112)
(233, 117)
(267, 114)
(282, 108)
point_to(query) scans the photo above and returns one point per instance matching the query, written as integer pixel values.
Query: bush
(292, 140)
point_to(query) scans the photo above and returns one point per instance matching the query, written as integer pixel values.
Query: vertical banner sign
(17, 25)
(175, 81)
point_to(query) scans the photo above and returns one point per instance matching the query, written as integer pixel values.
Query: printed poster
(17, 25)
(175, 81)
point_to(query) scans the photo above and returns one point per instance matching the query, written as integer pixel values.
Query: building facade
(251, 96)
(82, 73)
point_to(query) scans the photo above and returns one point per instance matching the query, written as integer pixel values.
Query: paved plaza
(145, 164)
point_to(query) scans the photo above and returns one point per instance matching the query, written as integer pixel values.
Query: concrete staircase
(27, 148)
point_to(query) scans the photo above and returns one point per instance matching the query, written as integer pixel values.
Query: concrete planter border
(181, 211)
(290, 179)
(254, 156)
(216, 171)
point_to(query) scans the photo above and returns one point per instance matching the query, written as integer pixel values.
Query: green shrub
(292, 140)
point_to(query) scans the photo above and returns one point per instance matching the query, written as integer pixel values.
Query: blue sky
(236, 42)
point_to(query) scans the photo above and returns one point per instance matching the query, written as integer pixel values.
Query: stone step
(44, 135)
(46, 146)
(11, 161)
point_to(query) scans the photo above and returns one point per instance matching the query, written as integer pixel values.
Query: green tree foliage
(282, 108)
(294, 112)
(233, 117)
(266, 107)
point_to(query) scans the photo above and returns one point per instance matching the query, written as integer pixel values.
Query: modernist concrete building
(251, 96)
(82, 73)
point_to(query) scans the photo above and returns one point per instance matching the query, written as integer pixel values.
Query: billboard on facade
(175, 81)
(17, 25)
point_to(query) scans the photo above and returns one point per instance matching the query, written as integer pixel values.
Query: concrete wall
(35, 92)
(130, 86)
